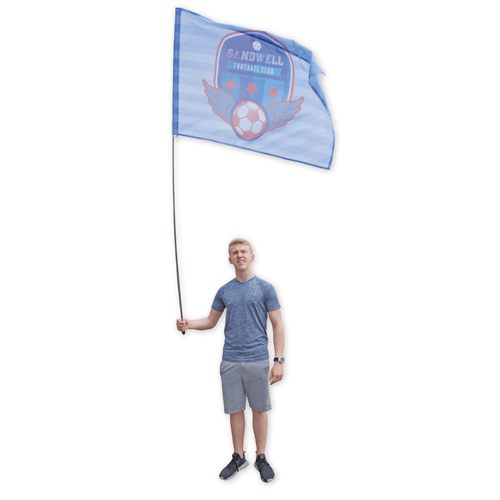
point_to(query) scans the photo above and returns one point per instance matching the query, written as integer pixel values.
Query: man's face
(241, 256)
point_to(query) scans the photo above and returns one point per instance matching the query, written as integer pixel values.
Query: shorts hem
(231, 412)
(267, 409)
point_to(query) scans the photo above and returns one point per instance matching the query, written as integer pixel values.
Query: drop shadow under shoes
(234, 466)
(266, 471)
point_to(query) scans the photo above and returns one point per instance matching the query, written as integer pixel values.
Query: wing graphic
(222, 102)
(280, 113)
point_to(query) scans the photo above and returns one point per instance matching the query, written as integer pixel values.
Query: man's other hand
(276, 373)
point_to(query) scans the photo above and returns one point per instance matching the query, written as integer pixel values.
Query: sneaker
(234, 466)
(266, 471)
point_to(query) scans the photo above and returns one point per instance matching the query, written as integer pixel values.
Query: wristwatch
(280, 360)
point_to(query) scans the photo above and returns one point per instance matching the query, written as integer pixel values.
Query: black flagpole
(175, 234)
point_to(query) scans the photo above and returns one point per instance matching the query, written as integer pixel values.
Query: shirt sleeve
(271, 299)
(218, 304)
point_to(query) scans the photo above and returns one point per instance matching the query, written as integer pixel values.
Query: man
(245, 359)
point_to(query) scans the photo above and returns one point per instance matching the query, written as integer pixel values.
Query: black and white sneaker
(234, 466)
(266, 471)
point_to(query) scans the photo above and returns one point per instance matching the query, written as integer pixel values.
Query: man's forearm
(200, 324)
(279, 341)
(279, 344)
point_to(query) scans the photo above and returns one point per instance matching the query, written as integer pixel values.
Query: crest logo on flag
(253, 84)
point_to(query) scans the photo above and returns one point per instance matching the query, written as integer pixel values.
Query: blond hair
(239, 241)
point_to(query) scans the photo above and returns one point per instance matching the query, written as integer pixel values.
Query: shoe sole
(245, 465)
(263, 480)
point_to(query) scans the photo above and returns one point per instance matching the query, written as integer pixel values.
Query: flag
(249, 89)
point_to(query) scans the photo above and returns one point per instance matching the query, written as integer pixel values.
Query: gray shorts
(245, 380)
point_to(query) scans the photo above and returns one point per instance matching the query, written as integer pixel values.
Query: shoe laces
(235, 462)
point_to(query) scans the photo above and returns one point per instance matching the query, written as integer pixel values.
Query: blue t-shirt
(247, 306)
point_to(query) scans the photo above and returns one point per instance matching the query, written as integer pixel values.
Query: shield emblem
(254, 77)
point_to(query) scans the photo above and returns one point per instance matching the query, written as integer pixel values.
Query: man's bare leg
(260, 430)
(238, 431)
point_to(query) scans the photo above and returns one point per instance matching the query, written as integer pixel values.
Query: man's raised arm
(199, 324)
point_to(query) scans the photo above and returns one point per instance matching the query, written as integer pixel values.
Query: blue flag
(249, 89)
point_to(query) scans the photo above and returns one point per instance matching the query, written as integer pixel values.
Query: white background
(386, 266)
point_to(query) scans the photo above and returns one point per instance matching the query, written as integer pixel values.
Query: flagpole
(175, 233)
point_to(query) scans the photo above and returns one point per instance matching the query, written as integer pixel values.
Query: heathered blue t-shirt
(247, 306)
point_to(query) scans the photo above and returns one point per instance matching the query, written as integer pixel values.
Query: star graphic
(252, 88)
(230, 85)
(274, 92)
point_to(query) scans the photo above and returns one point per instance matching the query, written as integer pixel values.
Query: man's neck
(244, 275)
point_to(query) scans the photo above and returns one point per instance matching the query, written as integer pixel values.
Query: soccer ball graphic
(249, 120)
